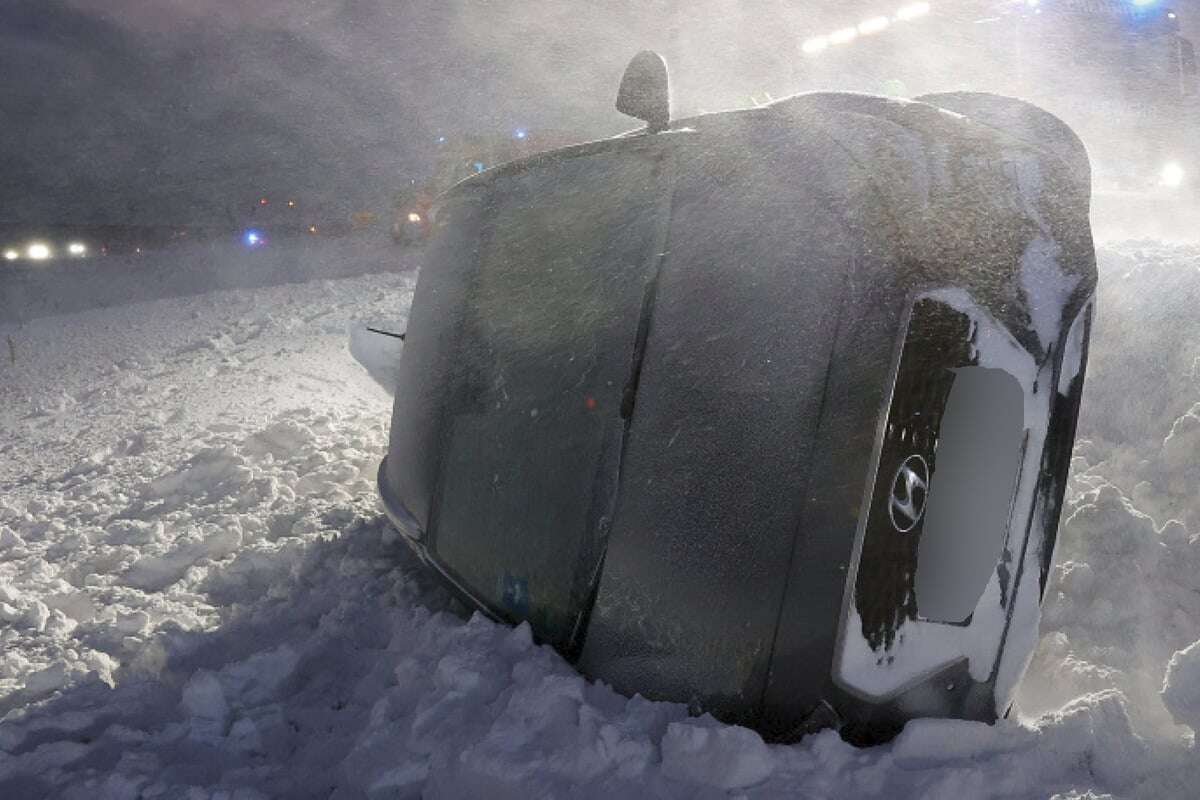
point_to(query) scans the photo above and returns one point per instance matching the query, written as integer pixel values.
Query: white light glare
(38, 251)
(815, 45)
(843, 36)
(76, 248)
(1172, 174)
(11, 255)
(912, 11)
(873, 25)
(414, 217)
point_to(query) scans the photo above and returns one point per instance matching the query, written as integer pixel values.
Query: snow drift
(200, 596)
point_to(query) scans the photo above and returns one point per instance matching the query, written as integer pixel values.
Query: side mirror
(645, 91)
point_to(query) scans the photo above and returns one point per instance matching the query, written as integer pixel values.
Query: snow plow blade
(770, 412)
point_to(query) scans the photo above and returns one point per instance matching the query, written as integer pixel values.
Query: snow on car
(203, 598)
(769, 411)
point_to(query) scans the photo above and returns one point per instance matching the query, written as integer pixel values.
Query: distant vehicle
(767, 411)
(1119, 72)
(458, 159)
(411, 212)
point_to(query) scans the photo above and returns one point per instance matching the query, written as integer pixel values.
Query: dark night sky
(172, 111)
(119, 109)
(177, 110)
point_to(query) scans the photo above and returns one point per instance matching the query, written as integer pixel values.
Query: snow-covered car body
(680, 400)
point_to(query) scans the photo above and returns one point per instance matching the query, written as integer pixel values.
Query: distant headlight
(38, 251)
(11, 255)
(414, 217)
(77, 249)
(1172, 175)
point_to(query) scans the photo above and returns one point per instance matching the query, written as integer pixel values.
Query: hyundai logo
(910, 490)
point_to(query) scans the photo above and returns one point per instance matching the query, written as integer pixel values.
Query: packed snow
(200, 596)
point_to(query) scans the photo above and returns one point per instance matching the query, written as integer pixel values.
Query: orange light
(312, 228)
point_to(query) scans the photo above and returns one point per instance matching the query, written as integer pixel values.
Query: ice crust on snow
(199, 595)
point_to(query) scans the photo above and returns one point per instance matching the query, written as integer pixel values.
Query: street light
(912, 11)
(844, 35)
(815, 45)
(1172, 175)
(873, 25)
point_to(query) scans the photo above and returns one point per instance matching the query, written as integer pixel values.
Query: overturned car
(768, 411)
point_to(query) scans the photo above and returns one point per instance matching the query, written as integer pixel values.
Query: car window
(552, 315)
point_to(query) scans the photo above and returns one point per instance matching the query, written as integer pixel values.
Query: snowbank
(199, 596)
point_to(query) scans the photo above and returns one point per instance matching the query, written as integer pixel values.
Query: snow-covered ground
(199, 596)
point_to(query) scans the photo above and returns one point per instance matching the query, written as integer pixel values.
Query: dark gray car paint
(790, 256)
